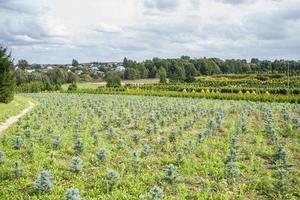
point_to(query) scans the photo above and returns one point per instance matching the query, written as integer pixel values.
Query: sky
(56, 31)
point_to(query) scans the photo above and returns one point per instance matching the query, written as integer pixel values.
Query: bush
(113, 80)
(72, 86)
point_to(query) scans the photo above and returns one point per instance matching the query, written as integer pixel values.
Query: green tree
(162, 75)
(7, 77)
(22, 76)
(23, 64)
(75, 63)
(176, 72)
(113, 80)
(190, 71)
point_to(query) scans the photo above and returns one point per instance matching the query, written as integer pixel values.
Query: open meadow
(142, 147)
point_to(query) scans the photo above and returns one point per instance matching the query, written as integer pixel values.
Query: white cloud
(58, 30)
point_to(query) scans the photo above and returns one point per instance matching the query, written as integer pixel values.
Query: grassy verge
(13, 108)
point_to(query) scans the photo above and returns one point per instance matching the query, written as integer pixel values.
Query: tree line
(185, 68)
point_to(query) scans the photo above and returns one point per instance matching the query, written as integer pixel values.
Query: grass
(200, 175)
(94, 85)
(14, 107)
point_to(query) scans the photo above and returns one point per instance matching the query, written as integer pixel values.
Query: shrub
(73, 194)
(76, 165)
(43, 182)
(113, 80)
(72, 86)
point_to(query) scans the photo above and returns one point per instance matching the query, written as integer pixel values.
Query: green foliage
(75, 63)
(72, 86)
(7, 77)
(113, 80)
(162, 75)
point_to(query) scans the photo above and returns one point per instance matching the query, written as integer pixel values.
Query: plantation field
(143, 147)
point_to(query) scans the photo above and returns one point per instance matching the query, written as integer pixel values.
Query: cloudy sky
(55, 31)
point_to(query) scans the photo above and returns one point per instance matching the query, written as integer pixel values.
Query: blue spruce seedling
(102, 154)
(170, 173)
(18, 142)
(2, 157)
(73, 194)
(113, 179)
(43, 182)
(56, 141)
(76, 165)
(121, 143)
(156, 193)
(18, 169)
(135, 137)
(78, 145)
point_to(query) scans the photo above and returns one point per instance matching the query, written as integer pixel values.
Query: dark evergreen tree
(7, 77)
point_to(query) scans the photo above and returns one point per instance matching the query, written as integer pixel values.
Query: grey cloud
(235, 2)
(161, 4)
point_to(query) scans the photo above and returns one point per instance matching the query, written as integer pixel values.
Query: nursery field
(75, 146)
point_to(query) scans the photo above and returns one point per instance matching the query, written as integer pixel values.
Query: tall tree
(7, 77)
(23, 64)
(162, 75)
(75, 63)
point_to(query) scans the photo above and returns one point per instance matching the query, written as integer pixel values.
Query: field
(94, 85)
(157, 147)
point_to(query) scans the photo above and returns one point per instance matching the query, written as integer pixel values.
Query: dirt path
(13, 119)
